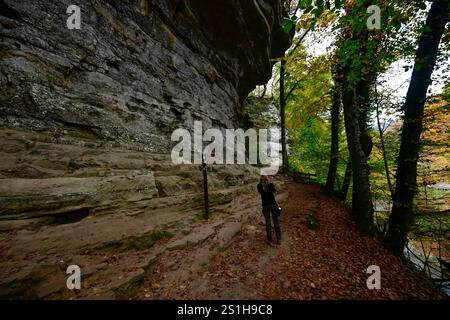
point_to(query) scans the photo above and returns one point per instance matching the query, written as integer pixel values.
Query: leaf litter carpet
(328, 260)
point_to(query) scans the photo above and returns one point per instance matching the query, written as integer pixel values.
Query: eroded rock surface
(85, 123)
(136, 70)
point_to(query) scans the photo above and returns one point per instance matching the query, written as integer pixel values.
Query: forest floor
(325, 261)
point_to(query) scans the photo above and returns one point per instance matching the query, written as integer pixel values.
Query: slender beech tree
(357, 72)
(362, 207)
(334, 152)
(284, 154)
(283, 99)
(406, 176)
(381, 131)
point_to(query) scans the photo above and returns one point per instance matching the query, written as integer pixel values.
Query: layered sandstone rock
(136, 70)
(86, 118)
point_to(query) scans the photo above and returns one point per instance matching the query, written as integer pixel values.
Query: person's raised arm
(274, 190)
(259, 188)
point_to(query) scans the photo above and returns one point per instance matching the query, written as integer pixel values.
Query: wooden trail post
(205, 187)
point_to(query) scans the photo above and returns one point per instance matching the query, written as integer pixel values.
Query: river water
(417, 258)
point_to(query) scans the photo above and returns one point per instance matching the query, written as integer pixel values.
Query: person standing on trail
(269, 207)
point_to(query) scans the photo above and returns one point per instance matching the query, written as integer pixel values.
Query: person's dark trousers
(268, 211)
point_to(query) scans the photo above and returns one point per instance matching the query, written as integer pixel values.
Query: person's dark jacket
(267, 197)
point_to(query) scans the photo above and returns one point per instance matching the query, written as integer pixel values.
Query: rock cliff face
(136, 70)
(96, 104)
(86, 118)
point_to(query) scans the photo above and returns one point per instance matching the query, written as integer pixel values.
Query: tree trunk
(347, 180)
(357, 77)
(362, 207)
(363, 102)
(362, 91)
(283, 119)
(406, 177)
(334, 152)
